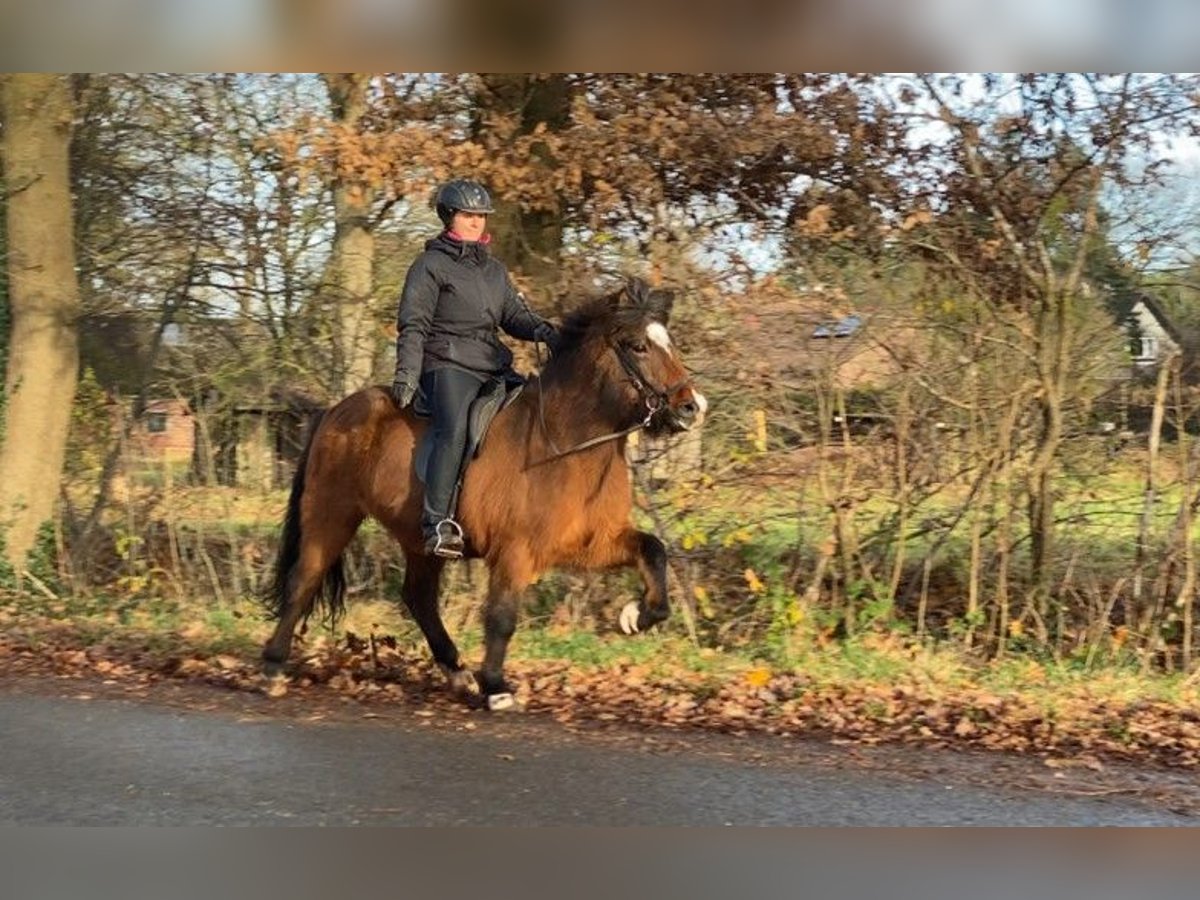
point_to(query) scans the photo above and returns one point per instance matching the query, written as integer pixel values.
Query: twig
(39, 584)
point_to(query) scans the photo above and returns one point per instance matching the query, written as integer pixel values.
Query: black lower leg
(653, 566)
(422, 579)
(499, 623)
(279, 646)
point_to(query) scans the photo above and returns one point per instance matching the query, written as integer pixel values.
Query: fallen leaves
(1078, 732)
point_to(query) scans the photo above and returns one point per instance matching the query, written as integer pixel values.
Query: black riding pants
(449, 392)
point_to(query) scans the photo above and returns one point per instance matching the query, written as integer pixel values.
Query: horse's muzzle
(688, 414)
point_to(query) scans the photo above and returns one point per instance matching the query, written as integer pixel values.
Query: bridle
(654, 398)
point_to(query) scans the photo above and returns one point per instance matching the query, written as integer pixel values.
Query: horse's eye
(637, 346)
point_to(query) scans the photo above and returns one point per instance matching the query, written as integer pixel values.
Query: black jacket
(455, 297)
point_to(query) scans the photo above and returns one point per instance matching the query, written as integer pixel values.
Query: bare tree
(1019, 215)
(349, 278)
(43, 357)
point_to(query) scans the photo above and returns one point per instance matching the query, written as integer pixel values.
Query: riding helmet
(463, 195)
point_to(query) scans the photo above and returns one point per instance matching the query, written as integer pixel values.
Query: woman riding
(456, 296)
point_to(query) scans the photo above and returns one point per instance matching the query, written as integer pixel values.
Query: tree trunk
(43, 362)
(1181, 535)
(351, 269)
(528, 242)
(1145, 617)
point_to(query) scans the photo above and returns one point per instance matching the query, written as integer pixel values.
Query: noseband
(654, 398)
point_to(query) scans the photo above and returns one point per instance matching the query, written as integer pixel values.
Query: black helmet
(461, 195)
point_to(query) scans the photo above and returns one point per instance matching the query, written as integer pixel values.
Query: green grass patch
(583, 648)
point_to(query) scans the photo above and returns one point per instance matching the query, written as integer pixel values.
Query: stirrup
(447, 540)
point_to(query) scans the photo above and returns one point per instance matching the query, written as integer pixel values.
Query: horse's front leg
(650, 556)
(507, 581)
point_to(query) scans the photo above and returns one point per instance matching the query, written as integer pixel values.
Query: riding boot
(450, 392)
(443, 536)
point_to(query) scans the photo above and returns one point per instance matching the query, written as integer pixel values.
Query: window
(156, 423)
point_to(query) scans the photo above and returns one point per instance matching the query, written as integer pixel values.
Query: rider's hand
(403, 391)
(549, 335)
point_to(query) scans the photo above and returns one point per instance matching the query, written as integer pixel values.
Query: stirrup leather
(449, 539)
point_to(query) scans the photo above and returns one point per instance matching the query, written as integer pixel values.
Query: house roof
(1156, 310)
(776, 329)
(843, 327)
(1123, 305)
(170, 405)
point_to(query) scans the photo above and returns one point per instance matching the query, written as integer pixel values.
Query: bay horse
(549, 488)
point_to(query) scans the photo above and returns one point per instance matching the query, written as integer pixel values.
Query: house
(856, 352)
(1154, 338)
(166, 432)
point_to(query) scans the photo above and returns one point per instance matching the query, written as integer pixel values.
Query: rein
(654, 400)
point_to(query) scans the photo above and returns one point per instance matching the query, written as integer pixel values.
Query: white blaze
(657, 332)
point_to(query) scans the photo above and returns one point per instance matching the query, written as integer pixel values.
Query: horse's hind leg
(320, 550)
(422, 579)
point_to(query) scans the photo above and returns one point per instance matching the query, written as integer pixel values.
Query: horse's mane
(583, 321)
(627, 306)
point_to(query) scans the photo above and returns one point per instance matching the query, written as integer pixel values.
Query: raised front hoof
(272, 668)
(635, 620)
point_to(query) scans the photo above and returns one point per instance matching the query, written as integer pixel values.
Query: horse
(548, 488)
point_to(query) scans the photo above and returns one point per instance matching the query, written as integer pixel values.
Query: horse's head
(632, 343)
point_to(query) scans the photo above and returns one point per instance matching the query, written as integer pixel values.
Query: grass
(657, 650)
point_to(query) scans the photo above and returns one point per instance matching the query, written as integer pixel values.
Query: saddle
(493, 397)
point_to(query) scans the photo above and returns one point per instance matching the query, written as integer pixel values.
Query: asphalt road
(104, 761)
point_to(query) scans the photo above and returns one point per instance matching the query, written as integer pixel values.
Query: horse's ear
(658, 303)
(636, 290)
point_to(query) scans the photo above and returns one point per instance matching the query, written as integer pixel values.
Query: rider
(456, 295)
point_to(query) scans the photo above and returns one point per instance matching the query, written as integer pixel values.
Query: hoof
(462, 683)
(501, 702)
(272, 669)
(276, 686)
(629, 618)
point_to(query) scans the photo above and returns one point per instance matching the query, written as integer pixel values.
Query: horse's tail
(333, 585)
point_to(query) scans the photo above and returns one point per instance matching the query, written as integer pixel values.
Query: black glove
(403, 390)
(548, 335)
